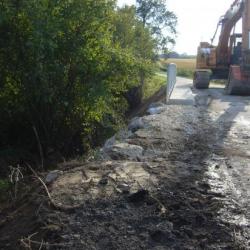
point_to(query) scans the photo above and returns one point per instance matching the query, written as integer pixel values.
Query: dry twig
(15, 176)
(52, 201)
(39, 146)
(28, 242)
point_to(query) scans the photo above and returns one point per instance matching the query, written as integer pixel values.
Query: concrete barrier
(171, 80)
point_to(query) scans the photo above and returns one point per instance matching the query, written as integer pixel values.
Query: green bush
(62, 76)
(65, 69)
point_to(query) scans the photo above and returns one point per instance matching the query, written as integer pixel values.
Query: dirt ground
(177, 180)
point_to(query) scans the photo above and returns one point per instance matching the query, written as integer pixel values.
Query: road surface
(179, 179)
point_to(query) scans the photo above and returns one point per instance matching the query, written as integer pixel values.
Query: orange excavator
(230, 59)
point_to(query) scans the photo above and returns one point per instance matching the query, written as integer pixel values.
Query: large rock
(52, 176)
(136, 123)
(110, 142)
(156, 108)
(125, 151)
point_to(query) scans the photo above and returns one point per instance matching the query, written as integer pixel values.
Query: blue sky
(197, 20)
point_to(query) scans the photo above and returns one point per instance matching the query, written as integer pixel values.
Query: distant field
(185, 67)
(183, 63)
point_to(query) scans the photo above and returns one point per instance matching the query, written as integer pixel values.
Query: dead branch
(27, 243)
(40, 248)
(39, 146)
(15, 176)
(52, 201)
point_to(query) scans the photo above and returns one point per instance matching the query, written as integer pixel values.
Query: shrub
(62, 77)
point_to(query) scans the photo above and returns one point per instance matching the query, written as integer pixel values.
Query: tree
(62, 76)
(65, 67)
(162, 22)
(137, 40)
(132, 35)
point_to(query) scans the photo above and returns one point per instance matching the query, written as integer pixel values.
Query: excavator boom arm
(228, 21)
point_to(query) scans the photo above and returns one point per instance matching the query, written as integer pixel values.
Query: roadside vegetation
(67, 69)
(154, 83)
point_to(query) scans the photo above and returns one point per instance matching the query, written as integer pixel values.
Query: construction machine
(230, 59)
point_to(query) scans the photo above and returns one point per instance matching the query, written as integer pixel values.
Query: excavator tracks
(201, 79)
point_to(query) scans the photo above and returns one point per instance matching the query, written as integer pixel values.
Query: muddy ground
(177, 180)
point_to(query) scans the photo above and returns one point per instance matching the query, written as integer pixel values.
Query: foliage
(4, 185)
(136, 39)
(59, 72)
(162, 22)
(65, 67)
(154, 83)
(174, 54)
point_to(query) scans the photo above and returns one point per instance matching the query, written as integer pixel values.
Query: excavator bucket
(238, 83)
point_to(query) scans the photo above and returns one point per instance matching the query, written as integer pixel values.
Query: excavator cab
(230, 59)
(235, 48)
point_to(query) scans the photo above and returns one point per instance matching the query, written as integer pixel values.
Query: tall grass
(153, 84)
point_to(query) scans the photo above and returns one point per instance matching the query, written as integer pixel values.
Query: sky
(197, 20)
